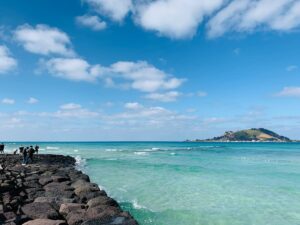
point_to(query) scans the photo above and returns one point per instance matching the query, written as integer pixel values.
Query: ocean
(177, 183)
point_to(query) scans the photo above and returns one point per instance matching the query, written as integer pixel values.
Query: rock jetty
(50, 191)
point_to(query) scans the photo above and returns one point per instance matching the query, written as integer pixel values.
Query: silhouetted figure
(30, 154)
(25, 156)
(36, 148)
(16, 151)
(2, 148)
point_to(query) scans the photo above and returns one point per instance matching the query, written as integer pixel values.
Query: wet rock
(101, 200)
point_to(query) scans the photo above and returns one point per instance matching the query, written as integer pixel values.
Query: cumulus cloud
(32, 100)
(170, 96)
(180, 19)
(75, 69)
(250, 15)
(70, 106)
(175, 18)
(43, 40)
(289, 92)
(133, 105)
(71, 110)
(8, 101)
(139, 75)
(93, 22)
(115, 9)
(7, 62)
(145, 77)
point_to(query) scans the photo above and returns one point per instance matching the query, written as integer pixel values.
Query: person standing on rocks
(36, 148)
(30, 154)
(21, 149)
(2, 148)
(25, 157)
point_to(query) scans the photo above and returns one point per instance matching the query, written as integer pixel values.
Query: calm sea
(172, 183)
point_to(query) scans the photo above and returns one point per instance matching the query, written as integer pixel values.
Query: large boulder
(56, 189)
(76, 217)
(58, 186)
(66, 208)
(40, 210)
(101, 200)
(55, 201)
(58, 178)
(45, 180)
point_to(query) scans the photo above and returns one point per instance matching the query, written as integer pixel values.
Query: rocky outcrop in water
(52, 192)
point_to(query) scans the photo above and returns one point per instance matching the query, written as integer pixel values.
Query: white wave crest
(136, 205)
(52, 148)
(141, 153)
(111, 150)
(80, 162)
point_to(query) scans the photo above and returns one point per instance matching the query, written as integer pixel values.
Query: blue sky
(147, 70)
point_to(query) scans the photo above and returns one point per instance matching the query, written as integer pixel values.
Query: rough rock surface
(50, 191)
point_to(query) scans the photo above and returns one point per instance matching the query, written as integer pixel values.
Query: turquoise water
(169, 183)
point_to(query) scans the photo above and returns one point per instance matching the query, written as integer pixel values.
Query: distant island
(249, 135)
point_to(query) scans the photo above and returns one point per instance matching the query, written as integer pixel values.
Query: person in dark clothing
(2, 148)
(30, 154)
(25, 157)
(21, 149)
(36, 148)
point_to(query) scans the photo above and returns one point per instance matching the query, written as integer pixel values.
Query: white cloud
(32, 100)
(145, 77)
(139, 75)
(289, 92)
(7, 62)
(8, 101)
(180, 19)
(93, 22)
(70, 106)
(288, 19)
(43, 40)
(75, 69)
(170, 96)
(175, 18)
(71, 110)
(115, 9)
(133, 105)
(250, 15)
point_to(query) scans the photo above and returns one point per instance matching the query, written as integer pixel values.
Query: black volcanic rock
(52, 192)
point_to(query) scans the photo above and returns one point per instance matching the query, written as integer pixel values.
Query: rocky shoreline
(50, 191)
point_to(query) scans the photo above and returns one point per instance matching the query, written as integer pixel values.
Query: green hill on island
(249, 135)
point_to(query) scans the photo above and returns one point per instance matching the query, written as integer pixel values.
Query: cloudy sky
(148, 69)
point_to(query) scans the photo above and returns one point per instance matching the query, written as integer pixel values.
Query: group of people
(27, 153)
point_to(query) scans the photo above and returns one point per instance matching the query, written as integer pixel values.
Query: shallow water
(170, 183)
